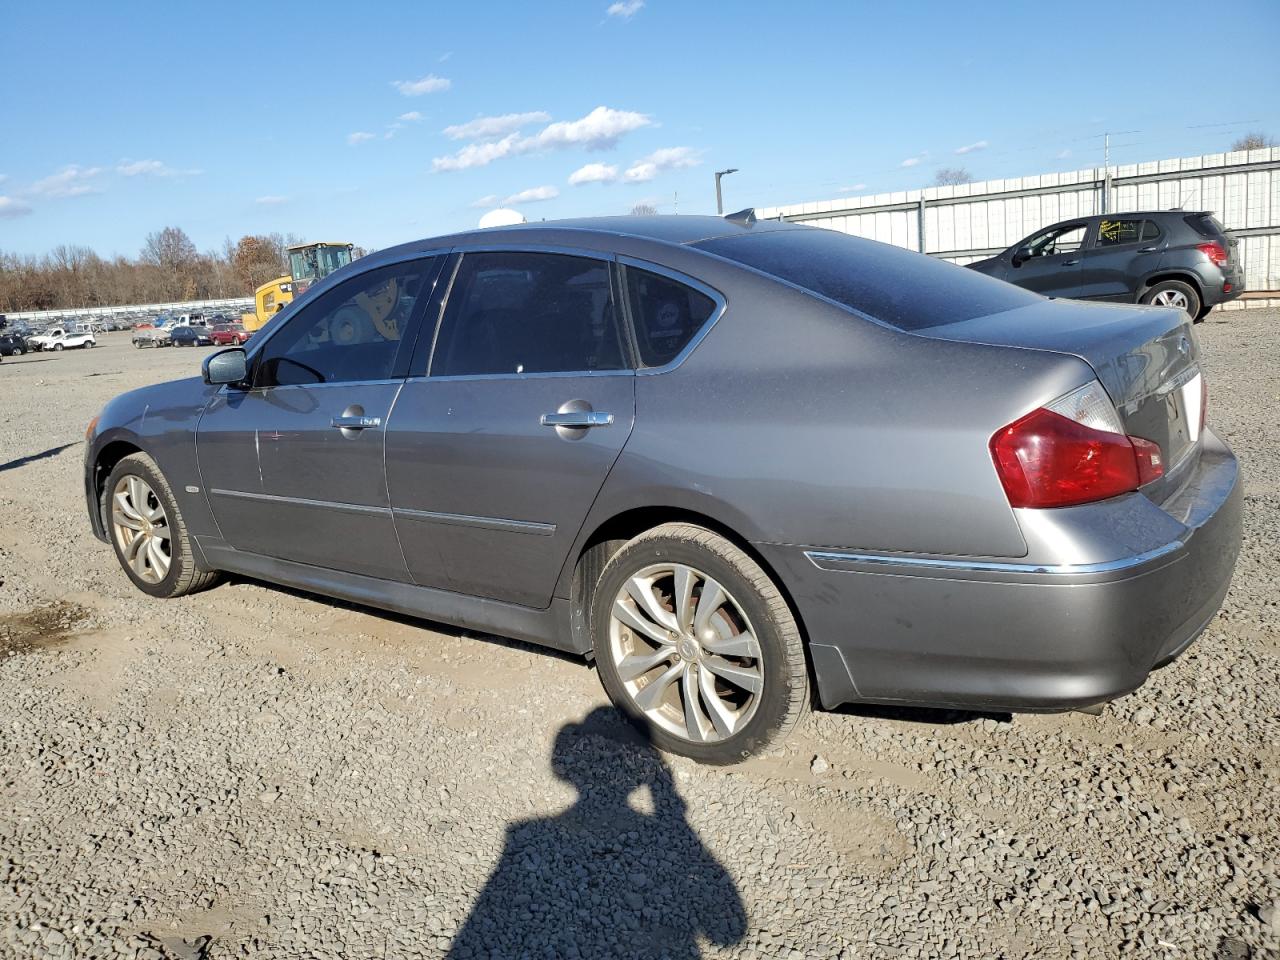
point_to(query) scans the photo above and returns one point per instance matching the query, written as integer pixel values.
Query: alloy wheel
(141, 529)
(1170, 298)
(686, 653)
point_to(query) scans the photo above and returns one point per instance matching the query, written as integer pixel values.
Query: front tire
(147, 531)
(697, 646)
(57, 348)
(1174, 293)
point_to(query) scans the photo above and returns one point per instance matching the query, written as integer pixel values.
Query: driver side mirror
(1020, 256)
(226, 366)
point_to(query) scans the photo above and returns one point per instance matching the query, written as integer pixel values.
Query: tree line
(168, 268)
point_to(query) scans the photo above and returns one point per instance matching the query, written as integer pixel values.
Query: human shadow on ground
(613, 876)
(33, 457)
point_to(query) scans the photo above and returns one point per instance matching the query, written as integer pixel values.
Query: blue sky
(379, 123)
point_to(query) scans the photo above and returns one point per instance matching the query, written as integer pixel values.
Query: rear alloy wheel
(694, 642)
(57, 347)
(1174, 293)
(147, 531)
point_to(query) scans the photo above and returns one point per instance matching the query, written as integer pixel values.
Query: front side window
(666, 315)
(1056, 240)
(1114, 233)
(352, 333)
(515, 312)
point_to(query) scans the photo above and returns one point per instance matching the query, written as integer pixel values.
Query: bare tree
(644, 210)
(951, 176)
(259, 259)
(1254, 141)
(170, 249)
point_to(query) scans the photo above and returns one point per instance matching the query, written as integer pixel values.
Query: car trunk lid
(1147, 358)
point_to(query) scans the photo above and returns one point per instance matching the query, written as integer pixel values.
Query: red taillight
(1048, 460)
(1215, 252)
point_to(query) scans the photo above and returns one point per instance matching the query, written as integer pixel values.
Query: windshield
(331, 258)
(303, 265)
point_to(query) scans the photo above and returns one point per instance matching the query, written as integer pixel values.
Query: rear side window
(666, 315)
(1205, 224)
(1150, 230)
(906, 290)
(514, 312)
(1114, 233)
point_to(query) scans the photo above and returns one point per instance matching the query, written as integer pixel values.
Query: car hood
(985, 266)
(172, 401)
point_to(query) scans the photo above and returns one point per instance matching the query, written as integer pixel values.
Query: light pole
(719, 198)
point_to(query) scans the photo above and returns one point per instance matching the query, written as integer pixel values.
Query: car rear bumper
(1001, 634)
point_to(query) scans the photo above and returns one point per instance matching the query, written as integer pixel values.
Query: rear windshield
(1205, 224)
(895, 286)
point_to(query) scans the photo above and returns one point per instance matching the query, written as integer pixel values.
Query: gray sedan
(724, 459)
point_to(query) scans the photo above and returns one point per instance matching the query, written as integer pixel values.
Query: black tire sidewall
(1185, 288)
(771, 710)
(180, 559)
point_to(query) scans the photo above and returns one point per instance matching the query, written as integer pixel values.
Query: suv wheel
(147, 532)
(695, 644)
(1174, 293)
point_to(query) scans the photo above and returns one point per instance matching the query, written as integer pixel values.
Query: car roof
(668, 229)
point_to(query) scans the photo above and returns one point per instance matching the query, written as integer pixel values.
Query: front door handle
(577, 419)
(355, 423)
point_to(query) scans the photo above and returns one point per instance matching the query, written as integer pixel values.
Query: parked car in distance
(718, 456)
(1169, 258)
(60, 338)
(151, 337)
(11, 344)
(190, 337)
(225, 334)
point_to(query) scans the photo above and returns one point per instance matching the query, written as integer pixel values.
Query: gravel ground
(251, 772)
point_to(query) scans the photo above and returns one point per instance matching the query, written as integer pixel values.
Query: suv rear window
(895, 286)
(1205, 224)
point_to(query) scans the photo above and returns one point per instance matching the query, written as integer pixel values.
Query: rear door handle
(1069, 263)
(577, 419)
(1148, 249)
(355, 423)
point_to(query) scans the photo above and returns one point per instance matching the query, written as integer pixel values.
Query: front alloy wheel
(141, 529)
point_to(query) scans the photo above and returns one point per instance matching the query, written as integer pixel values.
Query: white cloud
(593, 173)
(598, 130)
(360, 136)
(972, 147)
(488, 200)
(910, 162)
(852, 188)
(493, 128)
(271, 200)
(11, 208)
(413, 116)
(669, 158)
(1063, 154)
(532, 195)
(151, 168)
(73, 181)
(476, 154)
(444, 57)
(625, 9)
(428, 84)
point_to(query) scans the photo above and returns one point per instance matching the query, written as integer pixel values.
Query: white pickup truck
(60, 339)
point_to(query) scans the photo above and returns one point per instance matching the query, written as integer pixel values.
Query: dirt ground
(256, 772)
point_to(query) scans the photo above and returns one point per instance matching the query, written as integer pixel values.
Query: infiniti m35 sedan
(724, 459)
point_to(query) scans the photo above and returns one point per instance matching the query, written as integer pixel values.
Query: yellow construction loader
(308, 262)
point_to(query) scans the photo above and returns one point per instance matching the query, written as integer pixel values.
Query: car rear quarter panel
(797, 422)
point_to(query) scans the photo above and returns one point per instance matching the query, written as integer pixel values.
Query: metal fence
(975, 220)
(233, 305)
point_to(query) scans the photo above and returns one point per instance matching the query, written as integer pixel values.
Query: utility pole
(719, 198)
(1106, 173)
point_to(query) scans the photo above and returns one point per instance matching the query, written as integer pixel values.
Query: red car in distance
(229, 335)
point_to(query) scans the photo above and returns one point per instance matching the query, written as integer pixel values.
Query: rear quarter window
(905, 290)
(1205, 224)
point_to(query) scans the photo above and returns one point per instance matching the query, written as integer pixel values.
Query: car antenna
(747, 216)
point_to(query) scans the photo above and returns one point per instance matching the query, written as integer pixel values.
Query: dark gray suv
(1169, 258)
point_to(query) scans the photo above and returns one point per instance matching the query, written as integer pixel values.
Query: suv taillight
(1215, 252)
(1071, 451)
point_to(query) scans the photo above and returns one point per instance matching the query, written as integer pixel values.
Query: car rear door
(1120, 253)
(1053, 267)
(313, 425)
(505, 432)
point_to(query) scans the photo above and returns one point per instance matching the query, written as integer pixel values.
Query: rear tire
(57, 348)
(1174, 293)
(740, 662)
(147, 531)
(1204, 312)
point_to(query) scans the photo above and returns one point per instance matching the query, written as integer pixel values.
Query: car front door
(1049, 261)
(501, 441)
(312, 426)
(1121, 253)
